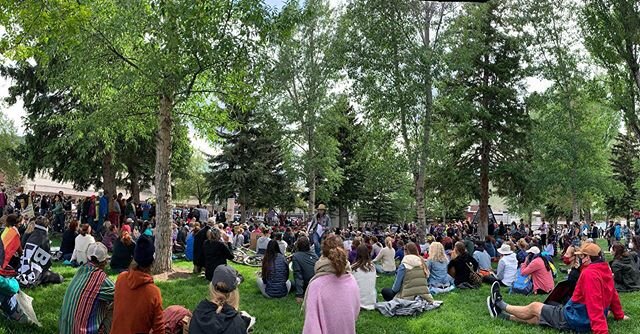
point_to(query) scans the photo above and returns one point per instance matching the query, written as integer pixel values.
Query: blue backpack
(523, 284)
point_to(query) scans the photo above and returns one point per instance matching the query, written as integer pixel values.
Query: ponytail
(332, 249)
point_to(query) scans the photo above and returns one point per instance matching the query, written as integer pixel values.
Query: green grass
(463, 311)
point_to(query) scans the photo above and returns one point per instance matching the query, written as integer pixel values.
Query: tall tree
(250, 167)
(172, 55)
(303, 75)
(349, 134)
(489, 118)
(612, 35)
(392, 52)
(573, 96)
(625, 155)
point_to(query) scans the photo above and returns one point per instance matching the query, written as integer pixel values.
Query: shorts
(553, 316)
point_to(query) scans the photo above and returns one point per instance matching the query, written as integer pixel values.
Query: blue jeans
(316, 243)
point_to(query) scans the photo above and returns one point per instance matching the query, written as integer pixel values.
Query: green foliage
(193, 183)
(391, 51)
(611, 30)
(625, 156)
(482, 96)
(250, 167)
(9, 164)
(301, 78)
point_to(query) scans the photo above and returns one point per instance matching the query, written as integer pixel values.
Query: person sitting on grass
(507, 265)
(274, 279)
(521, 253)
(137, 300)
(36, 259)
(303, 262)
(439, 280)
(353, 252)
(263, 241)
(281, 243)
(86, 305)
(482, 257)
(399, 251)
(216, 252)
(461, 266)
(387, 256)
(593, 298)
(68, 243)
(122, 252)
(332, 301)
(220, 313)
(364, 272)
(538, 267)
(111, 236)
(83, 240)
(411, 279)
(626, 274)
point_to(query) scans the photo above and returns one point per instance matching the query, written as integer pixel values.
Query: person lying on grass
(593, 298)
(86, 306)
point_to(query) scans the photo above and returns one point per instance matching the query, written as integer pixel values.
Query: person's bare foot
(299, 300)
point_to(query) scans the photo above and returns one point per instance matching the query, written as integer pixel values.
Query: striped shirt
(86, 302)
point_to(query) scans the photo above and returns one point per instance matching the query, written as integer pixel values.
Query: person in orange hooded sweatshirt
(137, 300)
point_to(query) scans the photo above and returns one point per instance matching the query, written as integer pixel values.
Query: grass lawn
(463, 311)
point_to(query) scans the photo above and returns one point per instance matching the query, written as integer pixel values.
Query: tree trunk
(108, 175)
(483, 224)
(587, 214)
(243, 208)
(343, 214)
(135, 187)
(162, 261)
(574, 207)
(419, 194)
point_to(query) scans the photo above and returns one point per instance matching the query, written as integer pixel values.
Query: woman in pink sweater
(332, 302)
(540, 271)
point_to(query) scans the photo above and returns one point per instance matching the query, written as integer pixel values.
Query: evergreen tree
(250, 167)
(624, 157)
(486, 74)
(349, 134)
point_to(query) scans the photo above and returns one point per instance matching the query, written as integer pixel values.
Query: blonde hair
(436, 252)
(388, 241)
(220, 298)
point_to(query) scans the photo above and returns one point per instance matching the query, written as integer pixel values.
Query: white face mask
(631, 245)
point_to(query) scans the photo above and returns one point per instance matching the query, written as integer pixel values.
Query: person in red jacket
(593, 299)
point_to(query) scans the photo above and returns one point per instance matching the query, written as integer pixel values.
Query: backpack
(522, 285)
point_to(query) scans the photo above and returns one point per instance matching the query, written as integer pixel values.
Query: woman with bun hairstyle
(332, 301)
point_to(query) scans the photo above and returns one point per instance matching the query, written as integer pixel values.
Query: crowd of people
(322, 260)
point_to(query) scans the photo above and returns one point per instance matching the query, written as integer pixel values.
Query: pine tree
(250, 167)
(486, 74)
(624, 156)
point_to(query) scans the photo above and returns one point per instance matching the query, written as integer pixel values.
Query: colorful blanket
(9, 245)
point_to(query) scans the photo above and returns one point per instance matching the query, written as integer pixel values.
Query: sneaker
(495, 292)
(492, 307)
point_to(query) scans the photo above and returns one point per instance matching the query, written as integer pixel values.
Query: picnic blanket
(399, 306)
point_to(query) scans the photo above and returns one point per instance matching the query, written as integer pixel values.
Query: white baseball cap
(534, 250)
(99, 250)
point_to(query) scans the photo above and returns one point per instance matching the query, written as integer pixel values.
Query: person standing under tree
(318, 225)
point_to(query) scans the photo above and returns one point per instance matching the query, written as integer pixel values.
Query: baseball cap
(534, 250)
(98, 250)
(226, 275)
(589, 248)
